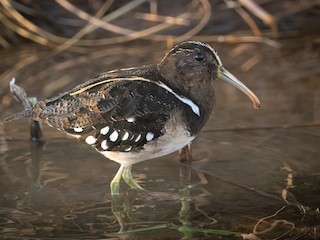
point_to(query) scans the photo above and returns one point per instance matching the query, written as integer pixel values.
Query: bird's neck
(202, 94)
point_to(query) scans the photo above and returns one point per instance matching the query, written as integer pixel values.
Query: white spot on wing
(114, 136)
(149, 136)
(91, 140)
(128, 149)
(138, 138)
(78, 129)
(105, 130)
(131, 119)
(104, 145)
(125, 136)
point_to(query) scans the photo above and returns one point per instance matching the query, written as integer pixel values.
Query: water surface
(255, 173)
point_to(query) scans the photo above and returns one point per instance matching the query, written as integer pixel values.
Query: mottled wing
(133, 112)
(119, 114)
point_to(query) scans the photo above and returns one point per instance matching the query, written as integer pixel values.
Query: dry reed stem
(34, 33)
(273, 224)
(251, 62)
(238, 39)
(171, 39)
(249, 20)
(10, 73)
(146, 33)
(149, 31)
(115, 14)
(4, 43)
(22, 32)
(120, 11)
(85, 29)
(23, 8)
(203, 22)
(91, 19)
(245, 16)
(165, 19)
(17, 23)
(153, 7)
(29, 25)
(60, 40)
(296, 8)
(259, 12)
(27, 29)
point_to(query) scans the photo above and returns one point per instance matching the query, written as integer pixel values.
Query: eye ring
(199, 57)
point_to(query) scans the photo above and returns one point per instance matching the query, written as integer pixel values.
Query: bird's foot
(125, 173)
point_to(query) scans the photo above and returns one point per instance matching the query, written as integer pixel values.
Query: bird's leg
(116, 208)
(115, 183)
(127, 177)
(184, 170)
(185, 154)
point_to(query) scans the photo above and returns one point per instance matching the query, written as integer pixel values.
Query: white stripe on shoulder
(194, 107)
(183, 99)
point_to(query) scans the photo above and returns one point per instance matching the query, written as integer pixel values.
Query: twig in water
(21, 97)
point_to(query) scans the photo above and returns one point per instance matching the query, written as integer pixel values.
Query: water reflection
(46, 196)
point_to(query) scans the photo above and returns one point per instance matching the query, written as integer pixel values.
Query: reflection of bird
(134, 114)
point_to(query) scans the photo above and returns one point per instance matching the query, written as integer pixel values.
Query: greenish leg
(184, 213)
(117, 211)
(127, 177)
(115, 183)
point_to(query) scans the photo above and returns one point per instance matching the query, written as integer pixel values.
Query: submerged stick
(20, 96)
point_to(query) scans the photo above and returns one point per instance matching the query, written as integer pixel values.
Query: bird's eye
(199, 57)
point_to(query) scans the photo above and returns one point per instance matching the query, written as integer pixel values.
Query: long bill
(223, 74)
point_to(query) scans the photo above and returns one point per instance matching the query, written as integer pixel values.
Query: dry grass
(28, 21)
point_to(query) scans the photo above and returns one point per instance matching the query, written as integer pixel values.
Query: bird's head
(192, 66)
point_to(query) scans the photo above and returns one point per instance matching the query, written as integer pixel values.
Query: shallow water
(254, 172)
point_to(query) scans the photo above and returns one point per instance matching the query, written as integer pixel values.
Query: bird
(134, 114)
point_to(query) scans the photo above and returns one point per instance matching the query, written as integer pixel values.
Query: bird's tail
(24, 114)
